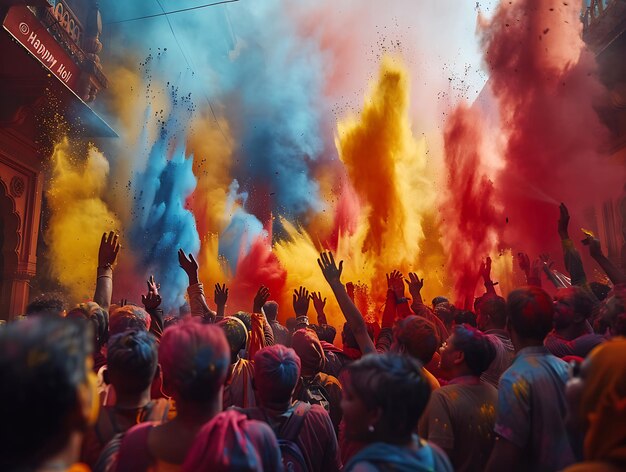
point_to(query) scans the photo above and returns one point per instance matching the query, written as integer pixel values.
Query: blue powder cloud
(161, 224)
(242, 230)
(247, 60)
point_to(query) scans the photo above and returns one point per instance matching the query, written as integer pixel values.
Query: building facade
(604, 31)
(49, 71)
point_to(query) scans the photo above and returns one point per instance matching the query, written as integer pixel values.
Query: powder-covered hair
(47, 304)
(270, 308)
(276, 372)
(417, 337)
(42, 363)
(477, 350)
(133, 355)
(194, 358)
(99, 318)
(128, 317)
(395, 384)
(530, 312)
(571, 303)
(309, 349)
(492, 307)
(236, 333)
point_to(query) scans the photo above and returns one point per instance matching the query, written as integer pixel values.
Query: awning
(32, 63)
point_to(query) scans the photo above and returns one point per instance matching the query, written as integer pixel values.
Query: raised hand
(301, 301)
(220, 296)
(485, 269)
(262, 295)
(415, 285)
(318, 303)
(395, 282)
(109, 247)
(524, 262)
(563, 221)
(151, 301)
(595, 249)
(189, 265)
(330, 270)
(153, 287)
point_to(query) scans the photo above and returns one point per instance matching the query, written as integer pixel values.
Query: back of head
(42, 365)
(601, 395)
(128, 317)
(445, 312)
(438, 300)
(194, 358)
(464, 317)
(394, 383)
(99, 319)
(245, 318)
(347, 337)
(271, 310)
(47, 304)
(530, 313)
(236, 333)
(491, 310)
(307, 346)
(478, 351)
(572, 305)
(276, 373)
(132, 359)
(417, 337)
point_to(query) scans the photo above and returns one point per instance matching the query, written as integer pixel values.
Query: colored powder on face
(78, 217)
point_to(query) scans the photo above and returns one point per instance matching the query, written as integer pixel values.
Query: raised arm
(152, 303)
(220, 297)
(197, 300)
(107, 254)
(332, 274)
(485, 273)
(395, 283)
(615, 275)
(318, 305)
(301, 300)
(573, 262)
(532, 271)
(415, 285)
(262, 296)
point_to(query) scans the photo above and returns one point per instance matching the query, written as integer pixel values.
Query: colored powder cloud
(161, 224)
(79, 217)
(262, 77)
(471, 218)
(545, 84)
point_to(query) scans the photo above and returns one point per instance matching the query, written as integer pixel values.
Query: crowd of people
(532, 382)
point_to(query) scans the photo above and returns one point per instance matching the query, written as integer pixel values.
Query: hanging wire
(165, 13)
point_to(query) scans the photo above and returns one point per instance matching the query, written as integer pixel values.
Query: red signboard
(24, 26)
